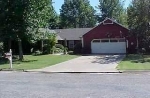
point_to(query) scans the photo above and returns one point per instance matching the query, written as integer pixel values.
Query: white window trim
(108, 39)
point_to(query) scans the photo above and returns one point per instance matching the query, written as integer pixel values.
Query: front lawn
(36, 62)
(135, 62)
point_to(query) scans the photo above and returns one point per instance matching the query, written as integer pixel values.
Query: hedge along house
(109, 37)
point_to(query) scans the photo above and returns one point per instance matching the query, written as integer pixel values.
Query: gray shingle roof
(68, 34)
(72, 34)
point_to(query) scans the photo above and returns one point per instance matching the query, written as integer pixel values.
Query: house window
(71, 44)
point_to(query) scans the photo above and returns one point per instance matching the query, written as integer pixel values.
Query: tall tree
(12, 21)
(111, 9)
(21, 19)
(139, 21)
(39, 13)
(77, 14)
(54, 22)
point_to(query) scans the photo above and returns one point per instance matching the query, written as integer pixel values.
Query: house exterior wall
(63, 43)
(103, 31)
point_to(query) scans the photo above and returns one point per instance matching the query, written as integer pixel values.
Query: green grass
(36, 62)
(135, 62)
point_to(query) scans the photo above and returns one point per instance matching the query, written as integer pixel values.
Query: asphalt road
(40, 85)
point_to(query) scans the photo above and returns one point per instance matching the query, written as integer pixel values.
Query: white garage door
(105, 46)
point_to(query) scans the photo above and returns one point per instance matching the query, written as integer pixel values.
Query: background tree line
(80, 14)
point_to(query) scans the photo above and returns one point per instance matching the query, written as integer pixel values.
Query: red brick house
(109, 37)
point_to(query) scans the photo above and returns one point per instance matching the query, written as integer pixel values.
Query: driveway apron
(92, 63)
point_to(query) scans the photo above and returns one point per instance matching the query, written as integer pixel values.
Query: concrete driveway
(93, 63)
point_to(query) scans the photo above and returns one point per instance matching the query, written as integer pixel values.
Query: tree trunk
(9, 44)
(42, 45)
(20, 49)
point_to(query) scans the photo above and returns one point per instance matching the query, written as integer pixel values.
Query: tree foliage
(12, 19)
(50, 42)
(39, 13)
(111, 9)
(21, 19)
(139, 21)
(77, 14)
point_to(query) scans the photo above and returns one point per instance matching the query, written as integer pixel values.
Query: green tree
(138, 21)
(21, 19)
(43, 16)
(49, 40)
(111, 9)
(12, 25)
(77, 14)
(39, 13)
(54, 23)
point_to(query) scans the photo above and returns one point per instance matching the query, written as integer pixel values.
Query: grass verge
(135, 62)
(36, 62)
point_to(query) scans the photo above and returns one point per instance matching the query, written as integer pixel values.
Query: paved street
(92, 63)
(40, 85)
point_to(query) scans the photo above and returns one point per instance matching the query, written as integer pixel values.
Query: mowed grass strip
(37, 62)
(135, 62)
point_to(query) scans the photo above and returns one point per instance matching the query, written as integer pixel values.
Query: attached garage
(108, 46)
(109, 37)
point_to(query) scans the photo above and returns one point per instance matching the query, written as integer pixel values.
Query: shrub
(1, 47)
(38, 52)
(60, 46)
(65, 50)
(70, 52)
(58, 50)
(49, 45)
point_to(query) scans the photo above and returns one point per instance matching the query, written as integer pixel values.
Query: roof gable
(111, 21)
(108, 21)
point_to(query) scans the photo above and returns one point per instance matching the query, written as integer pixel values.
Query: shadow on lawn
(24, 61)
(137, 58)
(3, 61)
(28, 61)
(15, 61)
